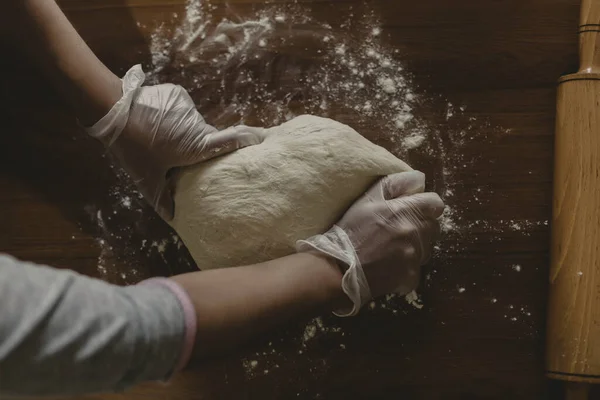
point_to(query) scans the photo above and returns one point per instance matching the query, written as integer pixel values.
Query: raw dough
(254, 204)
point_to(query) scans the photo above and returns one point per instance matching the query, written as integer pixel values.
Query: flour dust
(281, 61)
(134, 243)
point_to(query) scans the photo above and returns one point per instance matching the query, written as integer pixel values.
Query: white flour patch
(239, 62)
(317, 327)
(413, 299)
(414, 140)
(449, 111)
(447, 220)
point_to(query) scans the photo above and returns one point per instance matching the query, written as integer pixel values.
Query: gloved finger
(192, 144)
(203, 129)
(429, 233)
(231, 139)
(419, 206)
(241, 134)
(409, 281)
(402, 184)
(200, 127)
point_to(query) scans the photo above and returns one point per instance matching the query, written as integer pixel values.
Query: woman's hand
(150, 130)
(153, 129)
(383, 239)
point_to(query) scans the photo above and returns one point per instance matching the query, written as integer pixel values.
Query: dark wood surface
(498, 59)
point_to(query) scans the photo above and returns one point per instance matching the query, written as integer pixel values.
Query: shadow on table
(43, 148)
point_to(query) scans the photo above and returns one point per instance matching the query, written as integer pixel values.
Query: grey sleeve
(62, 333)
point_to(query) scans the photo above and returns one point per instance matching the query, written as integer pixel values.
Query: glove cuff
(336, 244)
(109, 127)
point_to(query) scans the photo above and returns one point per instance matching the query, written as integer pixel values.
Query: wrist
(333, 273)
(118, 106)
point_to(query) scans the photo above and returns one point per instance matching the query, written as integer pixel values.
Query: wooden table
(480, 334)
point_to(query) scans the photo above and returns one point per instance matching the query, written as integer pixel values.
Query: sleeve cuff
(189, 313)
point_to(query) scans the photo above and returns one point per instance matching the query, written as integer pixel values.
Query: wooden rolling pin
(573, 343)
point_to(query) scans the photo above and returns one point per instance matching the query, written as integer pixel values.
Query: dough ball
(254, 204)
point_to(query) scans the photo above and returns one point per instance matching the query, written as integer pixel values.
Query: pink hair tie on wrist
(189, 313)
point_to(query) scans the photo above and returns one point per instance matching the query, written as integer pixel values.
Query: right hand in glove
(383, 239)
(152, 130)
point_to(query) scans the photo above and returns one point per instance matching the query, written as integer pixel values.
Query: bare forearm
(234, 304)
(53, 44)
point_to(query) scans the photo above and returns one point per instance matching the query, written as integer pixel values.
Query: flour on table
(237, 71)
(251, 68)
(266, 67)
(412, 298)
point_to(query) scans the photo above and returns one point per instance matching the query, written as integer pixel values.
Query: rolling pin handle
(589, 39)
(573, 345)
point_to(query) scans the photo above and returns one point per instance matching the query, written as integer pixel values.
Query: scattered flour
(126, 202)
(125, 226)
(309, 332)
(447, 220)
(387, 85)
(413, 141)
(239, 70)
(449, 111)
(240, 78)
(279, 62)
(413, 299)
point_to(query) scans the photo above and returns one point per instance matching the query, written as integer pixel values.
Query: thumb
(403, 184)
(426, 205)
(219, 143)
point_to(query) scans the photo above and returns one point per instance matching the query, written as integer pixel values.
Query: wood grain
(589, 27)
(500, 60)
(575, 269)
(573, 352)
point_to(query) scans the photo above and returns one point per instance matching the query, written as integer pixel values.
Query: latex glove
(154, 129)
(383, 239)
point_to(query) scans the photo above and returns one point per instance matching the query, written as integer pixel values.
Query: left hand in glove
(383, 239)
(153, 129)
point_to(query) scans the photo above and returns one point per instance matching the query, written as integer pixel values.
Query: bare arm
(149, 130)
(234, 304)
(49, 39)
(63, 333)
(242, 299)
(72, 334)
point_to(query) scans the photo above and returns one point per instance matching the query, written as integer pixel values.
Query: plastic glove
(153, 129)
(383, 239)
